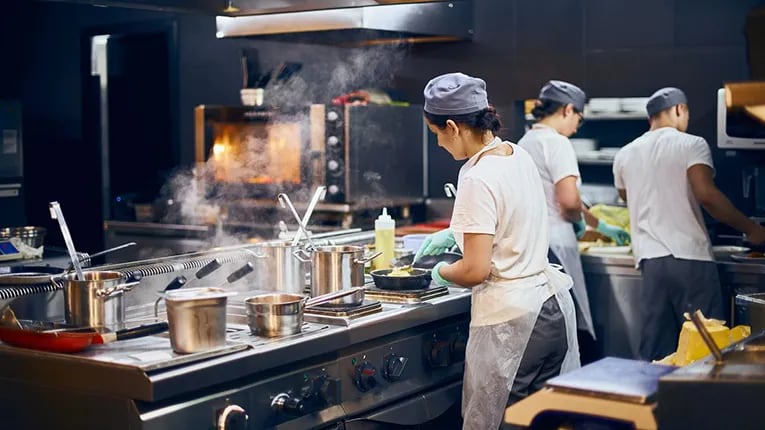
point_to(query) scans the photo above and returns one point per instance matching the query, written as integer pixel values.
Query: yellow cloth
(614, 215)
(691, 347)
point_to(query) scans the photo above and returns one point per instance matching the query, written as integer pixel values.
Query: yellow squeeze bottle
(385, 240)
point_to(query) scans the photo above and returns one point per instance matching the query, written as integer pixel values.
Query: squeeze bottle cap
(384, 220)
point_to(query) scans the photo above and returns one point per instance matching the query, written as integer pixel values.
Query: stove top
(406, 296)
(341, 315)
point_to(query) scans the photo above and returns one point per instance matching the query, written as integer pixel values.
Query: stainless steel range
(390, 364)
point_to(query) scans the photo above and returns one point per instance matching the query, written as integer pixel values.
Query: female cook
(559, 112)
(522, 315)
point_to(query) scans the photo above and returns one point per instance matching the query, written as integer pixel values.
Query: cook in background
(663, 176)
(559, 112)
(522, 315)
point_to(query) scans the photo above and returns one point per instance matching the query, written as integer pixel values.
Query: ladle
(321, 191)
(57, 214)
(284, 200)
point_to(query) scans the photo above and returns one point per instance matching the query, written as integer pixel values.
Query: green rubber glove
(579, 227)
(436, 275)
(617, 234)
(435, 244)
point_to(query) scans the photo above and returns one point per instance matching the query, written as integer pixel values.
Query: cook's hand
(617, 234)
(756, 237)
(436, 275)
(435, 244)
(579, 228)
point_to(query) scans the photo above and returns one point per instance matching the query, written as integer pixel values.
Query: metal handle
(121, 287)
(208, 268)
(450, 190)
(228, 410)
(285, 201)
(321, 191)
(57, 214)
(706, 337)
(240, 273)
(367, 258)
(297, 253)
(332, 296)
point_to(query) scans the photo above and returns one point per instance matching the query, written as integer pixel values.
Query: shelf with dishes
(605, 109)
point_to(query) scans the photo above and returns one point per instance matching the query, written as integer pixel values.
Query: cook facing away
(559, 112)
(664, 175)
(522, 328)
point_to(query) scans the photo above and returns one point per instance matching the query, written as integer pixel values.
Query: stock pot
(337, 268)
(278, 269)
(97, 300)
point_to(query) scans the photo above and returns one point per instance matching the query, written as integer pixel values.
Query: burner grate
(405, 296)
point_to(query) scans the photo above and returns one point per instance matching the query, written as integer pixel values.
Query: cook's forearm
(723, 210)
(463, 274)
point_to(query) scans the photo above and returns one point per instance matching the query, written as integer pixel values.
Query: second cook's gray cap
(665, 98)
(455, 94)
(565, 93)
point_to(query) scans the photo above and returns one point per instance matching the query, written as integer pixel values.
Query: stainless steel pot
(32, 236)
(337, 268)
(278, 269)
(197, 318)
(276, 314)
(97, 300)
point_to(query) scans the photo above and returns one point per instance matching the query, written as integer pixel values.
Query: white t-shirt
(665, 218)
(502, 196)
(554, 156)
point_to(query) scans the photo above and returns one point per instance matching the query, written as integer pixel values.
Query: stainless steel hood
(354, 23)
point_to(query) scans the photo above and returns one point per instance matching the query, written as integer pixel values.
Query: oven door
(252, 153)
(437, 408)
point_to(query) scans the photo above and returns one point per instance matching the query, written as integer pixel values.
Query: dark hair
(487, 119)
(545, 108)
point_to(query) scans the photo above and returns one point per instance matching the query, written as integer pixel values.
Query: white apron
(503, 315)
(563, 244)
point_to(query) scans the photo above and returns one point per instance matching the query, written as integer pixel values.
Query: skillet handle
(140, 331)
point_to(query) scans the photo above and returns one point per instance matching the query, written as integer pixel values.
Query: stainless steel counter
(613, 286)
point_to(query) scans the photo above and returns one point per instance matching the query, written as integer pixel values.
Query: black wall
(611, 48)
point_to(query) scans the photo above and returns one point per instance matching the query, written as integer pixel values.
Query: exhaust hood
(351, 23)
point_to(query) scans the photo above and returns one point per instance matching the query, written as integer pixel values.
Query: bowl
(30, 235)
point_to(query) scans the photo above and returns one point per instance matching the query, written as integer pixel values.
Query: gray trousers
(670, 287)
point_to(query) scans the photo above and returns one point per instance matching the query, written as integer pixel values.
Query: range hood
(350, 22)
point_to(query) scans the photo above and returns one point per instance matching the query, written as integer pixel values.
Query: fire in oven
(357, 152)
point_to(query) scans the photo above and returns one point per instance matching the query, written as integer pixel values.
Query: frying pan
(429, 261)
(418, 279)
(72, 340)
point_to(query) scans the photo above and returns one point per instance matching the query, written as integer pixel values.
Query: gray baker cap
(564, 92)
(455, 94)
(665, 98)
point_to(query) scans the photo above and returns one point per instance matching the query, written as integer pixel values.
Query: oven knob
(333, 140)
(458, 347)
(287, 404)
(232, 417)
(332, 115)
(365, 376)
(439, 354)
(394, 367)
(333, 164)
(333, 189)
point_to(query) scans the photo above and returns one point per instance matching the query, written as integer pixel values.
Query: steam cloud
(194, 199)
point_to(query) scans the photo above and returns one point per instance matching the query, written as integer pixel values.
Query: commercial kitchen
(223, 154)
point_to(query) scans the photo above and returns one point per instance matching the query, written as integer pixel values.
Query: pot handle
(367, 258)
(300, 254)
(331, 296)
(122, 287)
